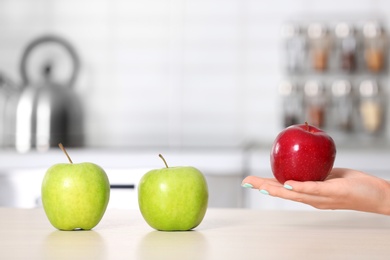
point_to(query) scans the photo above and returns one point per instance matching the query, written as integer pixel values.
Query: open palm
(343, 189)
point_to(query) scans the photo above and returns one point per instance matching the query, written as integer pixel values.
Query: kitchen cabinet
(21, 188)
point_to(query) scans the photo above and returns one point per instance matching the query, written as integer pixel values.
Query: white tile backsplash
(170, 72)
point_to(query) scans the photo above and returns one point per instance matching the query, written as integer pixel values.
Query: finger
(255, 182)
(315, 201)
(328, 188)
(282, 192)
(307, 187)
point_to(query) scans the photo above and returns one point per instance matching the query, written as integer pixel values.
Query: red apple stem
(165, 162)
(307, 126)
(63, 149)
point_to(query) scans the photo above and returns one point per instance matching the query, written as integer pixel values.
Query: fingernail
(289, 187)
(247, 185)
(264, 192)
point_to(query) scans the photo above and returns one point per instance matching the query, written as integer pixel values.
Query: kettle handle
(45, 39)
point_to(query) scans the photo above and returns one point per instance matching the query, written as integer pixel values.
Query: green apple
(75, 196)
(173, 198)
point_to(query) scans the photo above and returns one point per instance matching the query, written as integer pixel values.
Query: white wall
(170, 72)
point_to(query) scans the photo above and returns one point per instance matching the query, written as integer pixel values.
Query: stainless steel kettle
(48, 112)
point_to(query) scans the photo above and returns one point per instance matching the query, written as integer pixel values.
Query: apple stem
(165, 162)
(63, 149)
(307, 126)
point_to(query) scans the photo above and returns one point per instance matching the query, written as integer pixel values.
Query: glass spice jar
(294, 47)
(291, 103)
(345, 34)
(319, 46)
(371, 107)
(343, 105)
(374, 46)
(315, 103)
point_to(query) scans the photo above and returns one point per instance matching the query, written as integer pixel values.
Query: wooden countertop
(223, 234)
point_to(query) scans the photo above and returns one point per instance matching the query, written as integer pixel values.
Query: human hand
(343, 189)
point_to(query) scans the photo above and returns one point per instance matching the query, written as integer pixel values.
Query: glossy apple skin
(174, 198)
(302, 153)
(75, 196)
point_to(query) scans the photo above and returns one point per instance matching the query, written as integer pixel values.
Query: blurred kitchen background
(210, 83)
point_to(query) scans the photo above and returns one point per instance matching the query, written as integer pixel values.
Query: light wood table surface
(223, 234)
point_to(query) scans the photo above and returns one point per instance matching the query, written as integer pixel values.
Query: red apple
(302, 153)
